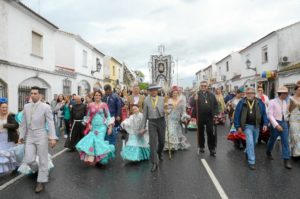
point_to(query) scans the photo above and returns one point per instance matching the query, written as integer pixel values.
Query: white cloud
(197, 32)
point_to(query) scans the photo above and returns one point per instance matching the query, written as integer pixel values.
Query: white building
(33, 52)
(229, 71)
(72, 53)
(271, 61)
(27, 54)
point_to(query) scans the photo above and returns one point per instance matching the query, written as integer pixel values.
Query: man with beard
(78, 111)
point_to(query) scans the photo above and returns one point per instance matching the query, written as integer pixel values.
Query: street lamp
(248, 64)
(98, 67)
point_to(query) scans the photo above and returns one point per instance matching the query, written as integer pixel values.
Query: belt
(74, 122)
(153, 119)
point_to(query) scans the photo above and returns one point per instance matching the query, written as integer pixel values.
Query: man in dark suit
(207, 110)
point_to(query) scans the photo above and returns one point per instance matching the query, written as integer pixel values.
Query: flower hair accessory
(3, 100)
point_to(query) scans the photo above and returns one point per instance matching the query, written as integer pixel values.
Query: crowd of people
(253, 118)
(91, 126)
(148, 123)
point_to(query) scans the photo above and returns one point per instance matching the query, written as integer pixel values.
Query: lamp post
(248, 64)
(98, 67)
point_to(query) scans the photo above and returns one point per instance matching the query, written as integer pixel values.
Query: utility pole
(177, 70)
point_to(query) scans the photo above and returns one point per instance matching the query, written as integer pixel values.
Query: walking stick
(197, 120)
(167, 124)
(168, 134)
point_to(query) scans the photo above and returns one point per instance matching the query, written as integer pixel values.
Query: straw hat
(282, 89)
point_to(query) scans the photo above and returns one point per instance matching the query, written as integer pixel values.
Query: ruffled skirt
(93, 148)
(135, 153)
(11, 156)
(25, 169)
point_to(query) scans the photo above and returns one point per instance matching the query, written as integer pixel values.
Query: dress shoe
(252, 167)
(269, 155)
(154, 167)
(161, 157)
(213, 153)
(39, 187)
(287, 164)
(200, 150)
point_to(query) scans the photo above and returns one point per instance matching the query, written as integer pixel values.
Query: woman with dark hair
(8, 138)
(59, 114)
(294, 121)
(66, 108)
(93, 149)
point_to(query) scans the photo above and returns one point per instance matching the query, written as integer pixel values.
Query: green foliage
(143, 85)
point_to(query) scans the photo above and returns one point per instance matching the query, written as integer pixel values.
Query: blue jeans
(251, 139)
(112, 138)
(284, 135)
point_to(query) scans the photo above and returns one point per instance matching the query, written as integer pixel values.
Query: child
(136, 148)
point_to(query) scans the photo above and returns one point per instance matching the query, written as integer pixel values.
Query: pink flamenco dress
(92, 147)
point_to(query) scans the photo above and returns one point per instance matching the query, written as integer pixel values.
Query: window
(265, 54)
(67, 84)
(227, 66)
(84, 58)
(37, 44)
(3, 89)
(114, 70)
(97, 62)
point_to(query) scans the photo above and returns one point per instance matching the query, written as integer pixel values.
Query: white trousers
(37, 145)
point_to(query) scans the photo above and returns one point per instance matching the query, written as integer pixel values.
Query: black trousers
(67, 127)
(206, 123)
(157, 131)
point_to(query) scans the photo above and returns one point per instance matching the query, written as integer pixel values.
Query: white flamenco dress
(137, 147)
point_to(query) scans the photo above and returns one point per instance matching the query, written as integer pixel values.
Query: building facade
(27, 54)
(271, 61)
(113, 72)
(72, 53)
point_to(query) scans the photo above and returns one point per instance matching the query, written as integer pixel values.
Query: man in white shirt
(278, 117)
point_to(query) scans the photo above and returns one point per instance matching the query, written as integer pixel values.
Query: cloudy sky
(196, 32)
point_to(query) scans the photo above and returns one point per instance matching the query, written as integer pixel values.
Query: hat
(282, 89)
(153, 87)
(240, 90)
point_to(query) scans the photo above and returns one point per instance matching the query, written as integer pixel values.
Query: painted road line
(214, 180)
(22, 175)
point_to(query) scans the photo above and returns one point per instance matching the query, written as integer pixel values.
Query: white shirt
(136, 99)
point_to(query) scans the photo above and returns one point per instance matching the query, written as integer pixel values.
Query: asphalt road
(182, 177)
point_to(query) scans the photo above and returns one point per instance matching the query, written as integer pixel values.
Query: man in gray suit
(155, 114)
(33, 129)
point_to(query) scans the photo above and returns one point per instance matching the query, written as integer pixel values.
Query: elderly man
(135, 99)
(32, 129)
(250, 114)
(78, 111)
(278, 118)
(154, 112)
(207, 108)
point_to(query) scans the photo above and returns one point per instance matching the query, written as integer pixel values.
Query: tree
(143, 85)
(140, 75)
